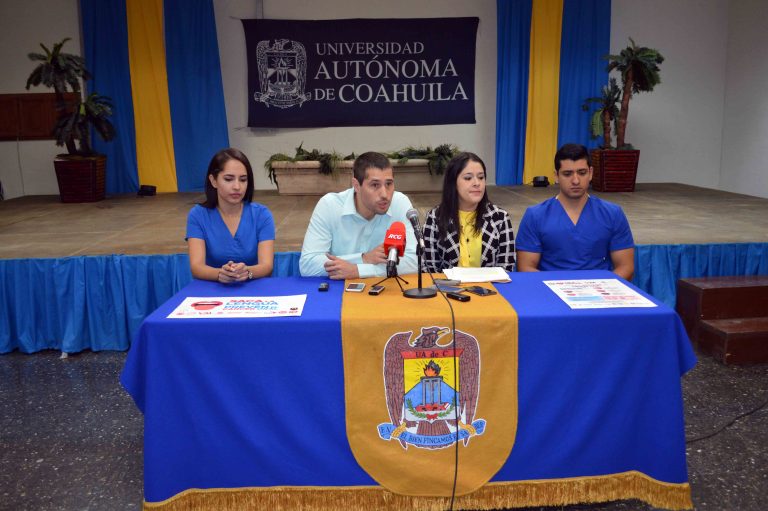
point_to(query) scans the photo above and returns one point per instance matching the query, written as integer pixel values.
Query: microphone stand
(419, 292)
(395, 276)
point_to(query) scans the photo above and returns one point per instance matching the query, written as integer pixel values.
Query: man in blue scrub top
(574, 231)
(345, 237)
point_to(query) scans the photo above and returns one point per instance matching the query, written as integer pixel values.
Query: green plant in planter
(93, 111)
(438, 158)
(601, 119)
(328, 161)
(639, 69)
(62, 71)
(615, 168)
(272, 159)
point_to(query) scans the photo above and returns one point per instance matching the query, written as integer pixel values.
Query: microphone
(413, 216)
(394, 246)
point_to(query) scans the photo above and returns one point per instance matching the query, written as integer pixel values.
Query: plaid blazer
(498, 240)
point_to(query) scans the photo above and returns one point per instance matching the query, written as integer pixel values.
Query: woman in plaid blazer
(466, 222)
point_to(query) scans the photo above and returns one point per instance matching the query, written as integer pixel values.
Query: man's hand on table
(339, 269)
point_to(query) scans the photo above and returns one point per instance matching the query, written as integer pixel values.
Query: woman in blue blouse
(231, 239)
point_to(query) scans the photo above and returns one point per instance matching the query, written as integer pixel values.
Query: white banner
(239, 307)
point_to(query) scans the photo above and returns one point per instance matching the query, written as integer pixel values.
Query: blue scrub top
(602, 228)
(256, 225)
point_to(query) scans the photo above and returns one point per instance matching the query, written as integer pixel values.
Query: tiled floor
(41, 226)
(71, 437)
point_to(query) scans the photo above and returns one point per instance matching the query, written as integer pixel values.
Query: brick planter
(304, 178)
(614, 170)
(81, 178)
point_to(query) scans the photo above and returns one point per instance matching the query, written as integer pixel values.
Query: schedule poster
(597, 294)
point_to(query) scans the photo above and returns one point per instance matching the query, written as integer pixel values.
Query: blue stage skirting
(98, 302)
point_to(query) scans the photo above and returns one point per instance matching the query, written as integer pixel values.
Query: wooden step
(735, 340)
(720, 298)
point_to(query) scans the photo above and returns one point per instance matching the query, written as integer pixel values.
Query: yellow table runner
(404, 389)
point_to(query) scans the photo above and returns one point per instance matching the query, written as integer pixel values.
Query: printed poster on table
(597, 294)
(239, 307)
(360, 72)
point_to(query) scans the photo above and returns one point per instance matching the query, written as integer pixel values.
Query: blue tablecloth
(234, 403)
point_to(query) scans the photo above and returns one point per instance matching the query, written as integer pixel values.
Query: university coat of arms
(431, 395)
(282, 73)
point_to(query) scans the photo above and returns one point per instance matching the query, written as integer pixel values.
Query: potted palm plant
(615, 168)
(607, 110)
(81, 172)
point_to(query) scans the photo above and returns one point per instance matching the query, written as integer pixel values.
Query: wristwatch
(250, 275)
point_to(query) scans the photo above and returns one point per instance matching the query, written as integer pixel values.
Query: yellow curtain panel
(543, 89)
(149, 86)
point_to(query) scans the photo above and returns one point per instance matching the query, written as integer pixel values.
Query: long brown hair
(448, 210)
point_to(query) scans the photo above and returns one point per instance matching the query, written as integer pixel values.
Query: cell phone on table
(457, 296)
(479, 290)
(448, 289)
(355, 287)
(376, 290)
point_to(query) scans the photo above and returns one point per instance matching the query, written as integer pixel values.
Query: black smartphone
(479, 290)
(447, 289)
(457, 296)
(376, 290)
(446, 282)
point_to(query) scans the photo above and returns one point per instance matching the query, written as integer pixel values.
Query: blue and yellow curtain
(159, 62)
(550, 59)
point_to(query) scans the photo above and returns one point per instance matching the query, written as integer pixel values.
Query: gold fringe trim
(544, 492)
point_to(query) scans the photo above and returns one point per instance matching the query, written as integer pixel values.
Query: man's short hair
(573, 152)
(367, 160)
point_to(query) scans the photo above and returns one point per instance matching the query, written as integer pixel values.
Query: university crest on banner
(414, 397)
(431, 388)
(282, 73)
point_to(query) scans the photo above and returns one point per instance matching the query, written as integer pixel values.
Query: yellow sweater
(470, 242)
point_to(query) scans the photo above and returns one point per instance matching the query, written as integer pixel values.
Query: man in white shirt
(345, 237)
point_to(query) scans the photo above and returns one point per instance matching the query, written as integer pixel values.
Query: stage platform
(659, 214)
(83, 276)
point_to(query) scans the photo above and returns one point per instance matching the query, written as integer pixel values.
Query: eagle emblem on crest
(431, 388)
(282, 73)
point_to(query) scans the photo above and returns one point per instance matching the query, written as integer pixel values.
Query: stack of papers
(492, 274)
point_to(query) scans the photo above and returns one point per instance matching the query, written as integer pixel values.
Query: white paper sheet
(491, 274)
